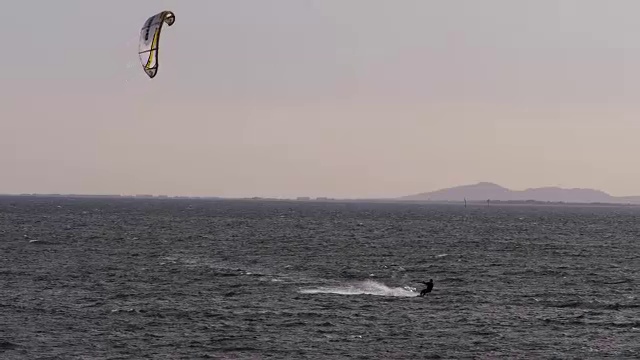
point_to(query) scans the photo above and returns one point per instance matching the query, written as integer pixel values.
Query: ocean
(231, 279)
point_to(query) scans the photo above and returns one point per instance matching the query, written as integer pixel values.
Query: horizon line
(299, 197)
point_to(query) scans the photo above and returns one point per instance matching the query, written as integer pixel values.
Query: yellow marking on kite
(154, 43)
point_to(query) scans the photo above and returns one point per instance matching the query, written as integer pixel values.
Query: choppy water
(189, 279)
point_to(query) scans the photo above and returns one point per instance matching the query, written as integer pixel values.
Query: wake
(367, 287)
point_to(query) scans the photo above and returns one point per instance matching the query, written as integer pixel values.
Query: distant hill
(489, 191)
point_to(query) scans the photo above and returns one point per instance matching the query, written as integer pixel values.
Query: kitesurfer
(428, 289)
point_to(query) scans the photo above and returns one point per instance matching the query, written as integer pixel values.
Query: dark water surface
(196, 279)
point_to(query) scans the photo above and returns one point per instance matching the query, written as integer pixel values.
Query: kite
(150, 40)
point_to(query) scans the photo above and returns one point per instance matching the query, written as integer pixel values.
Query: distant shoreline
(473, 203)
(522, 203)
(548, 195)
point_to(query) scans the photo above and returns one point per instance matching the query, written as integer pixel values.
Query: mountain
(489, 191)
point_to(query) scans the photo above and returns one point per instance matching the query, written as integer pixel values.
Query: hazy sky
(345, 98)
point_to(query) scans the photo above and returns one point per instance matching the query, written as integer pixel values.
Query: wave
(593, 305)
(367, 287)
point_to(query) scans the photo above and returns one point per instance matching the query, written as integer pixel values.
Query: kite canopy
(150, 40)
